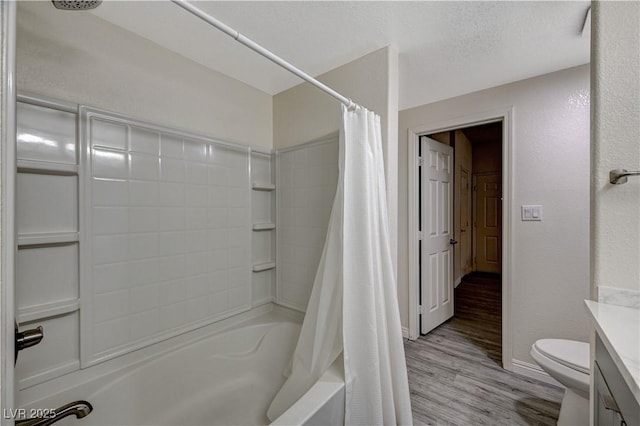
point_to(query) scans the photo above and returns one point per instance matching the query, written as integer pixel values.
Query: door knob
(453, 242)
(26, 339)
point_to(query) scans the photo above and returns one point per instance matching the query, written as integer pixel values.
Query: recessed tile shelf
(47, 310)
(263, 186)
(259, 267)
(264, 226)
(49, 168)
(48, 238)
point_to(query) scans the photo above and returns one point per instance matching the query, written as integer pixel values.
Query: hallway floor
(455, 373)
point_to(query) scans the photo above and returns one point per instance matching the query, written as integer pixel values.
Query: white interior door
(436, 257)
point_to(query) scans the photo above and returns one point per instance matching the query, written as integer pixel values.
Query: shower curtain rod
(262, 51)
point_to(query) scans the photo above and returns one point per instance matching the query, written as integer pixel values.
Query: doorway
(477, 216)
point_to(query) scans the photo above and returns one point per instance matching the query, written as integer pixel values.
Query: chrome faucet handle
(619, 176)
(78, 408)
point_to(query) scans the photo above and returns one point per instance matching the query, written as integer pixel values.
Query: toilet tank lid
(570, 353)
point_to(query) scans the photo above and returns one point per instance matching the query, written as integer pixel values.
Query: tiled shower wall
(154, 232)
(170, 233)
(307, 179)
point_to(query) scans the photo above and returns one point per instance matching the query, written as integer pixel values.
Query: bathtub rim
(326, 388)
(35, 396)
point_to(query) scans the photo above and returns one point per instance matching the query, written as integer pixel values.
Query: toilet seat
(569, 353)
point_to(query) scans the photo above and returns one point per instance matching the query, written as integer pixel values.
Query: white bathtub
(227, 378)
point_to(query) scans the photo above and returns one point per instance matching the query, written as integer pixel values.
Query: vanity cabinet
(615, 404)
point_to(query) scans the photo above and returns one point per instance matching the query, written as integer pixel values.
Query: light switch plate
(532, 212)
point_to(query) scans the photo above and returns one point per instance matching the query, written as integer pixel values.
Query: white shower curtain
(353, 306)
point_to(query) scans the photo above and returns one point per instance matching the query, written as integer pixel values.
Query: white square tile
(110, 277)
(144, 167)
(108, 134)
(197, 263)
(171, 292)
(237, 257)
(110, 334)
(218, 281)
(238, 178)
(195, 151)
(143, 246)
(142, 272)
(197, 286)
(237, 159)
(218, 238)
(196, 218)
(197, 173)
(196, 195)
(109, 164)
(172, 170)
(218, 154)
(219, 302)
(217, 218)
(197, 309)
(171, 243)
(196, 241)
(173, 316)
(108, 306)
(107, 192)
(110, 220)
(145, 324)
(218, 175)
(240, 296)
(110, 248)
(172, 194)
(144, 193)
(143, 219)
(238, 217)
(171, 218)
(238, 197)
(301, 158)
(144, 298)
(218, 196)
(218, 260)
(170, 146)
(171, 268)
(239, 277)
(143, 140)
(240, 237)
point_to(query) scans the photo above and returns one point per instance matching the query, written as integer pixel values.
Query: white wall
(615, 134)
(550, 259)
(304, 113)
(76, 56)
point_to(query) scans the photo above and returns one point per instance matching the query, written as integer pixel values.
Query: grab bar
(79, 408)
(619, 176)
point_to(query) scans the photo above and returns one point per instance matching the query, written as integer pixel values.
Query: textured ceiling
(446, 48)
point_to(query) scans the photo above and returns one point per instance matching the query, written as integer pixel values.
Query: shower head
(76, 4)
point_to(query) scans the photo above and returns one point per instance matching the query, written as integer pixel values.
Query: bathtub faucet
(79, 408)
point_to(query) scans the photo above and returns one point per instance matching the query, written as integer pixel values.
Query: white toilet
(567, 361)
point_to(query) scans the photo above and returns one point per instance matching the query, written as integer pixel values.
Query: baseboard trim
(458, 281)
(405, 333)
(533, 371)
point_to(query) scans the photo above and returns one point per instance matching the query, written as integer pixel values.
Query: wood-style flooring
(455, 373)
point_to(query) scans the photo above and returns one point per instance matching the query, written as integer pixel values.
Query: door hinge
(420, 235)
(420, 161)
(421, 310)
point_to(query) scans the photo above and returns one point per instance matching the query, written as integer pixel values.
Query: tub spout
(78, 408)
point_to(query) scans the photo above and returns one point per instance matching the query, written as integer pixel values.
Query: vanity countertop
(619, 329)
